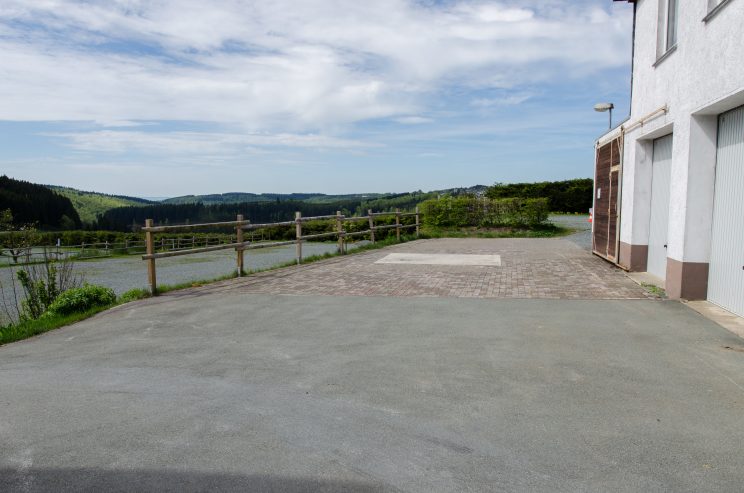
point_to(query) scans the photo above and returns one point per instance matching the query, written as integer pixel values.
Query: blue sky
(177, 97)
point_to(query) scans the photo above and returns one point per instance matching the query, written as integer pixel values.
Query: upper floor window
(667, 28)
(671, 24)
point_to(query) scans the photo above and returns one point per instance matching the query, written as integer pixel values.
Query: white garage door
(726, 275)
(661, 171)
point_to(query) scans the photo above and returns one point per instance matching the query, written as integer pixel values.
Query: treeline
(132, 218)
(472, 211)
(563, 196)
(402, 201)
(238, 198)
(30, 203)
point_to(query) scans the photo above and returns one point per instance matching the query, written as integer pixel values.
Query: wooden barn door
(605, 224)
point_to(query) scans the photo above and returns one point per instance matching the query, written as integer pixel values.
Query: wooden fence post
(151, 276)
(298, 230)
(239, 233)
(418, 222)
(340, 230)
(397, 224)
(371, 225)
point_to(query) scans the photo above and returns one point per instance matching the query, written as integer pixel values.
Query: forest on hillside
(90, 204)
(37, 205)
(131, 218)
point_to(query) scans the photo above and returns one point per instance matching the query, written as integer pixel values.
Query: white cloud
(509, 100)
(284, 66)
(199, 143)
(413, 120)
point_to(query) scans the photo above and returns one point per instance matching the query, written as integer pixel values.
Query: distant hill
(30, 203)
(243, 197)
(261, 208)
(89, 205)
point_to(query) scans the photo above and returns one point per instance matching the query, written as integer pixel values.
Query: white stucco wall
(702, 77)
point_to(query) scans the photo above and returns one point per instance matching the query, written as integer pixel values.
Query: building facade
(679, 197)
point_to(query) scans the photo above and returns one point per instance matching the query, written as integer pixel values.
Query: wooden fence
(241, 245)
(106, 249)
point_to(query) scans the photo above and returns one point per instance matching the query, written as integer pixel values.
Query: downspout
(622, 147)
(632, 58)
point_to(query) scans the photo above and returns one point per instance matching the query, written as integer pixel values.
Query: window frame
(671, 25)
(667, 29)
(713, 10)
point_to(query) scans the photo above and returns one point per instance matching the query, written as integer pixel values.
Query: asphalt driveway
(219, 389)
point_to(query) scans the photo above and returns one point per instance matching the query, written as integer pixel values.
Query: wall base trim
(687, 280)
(633, 257)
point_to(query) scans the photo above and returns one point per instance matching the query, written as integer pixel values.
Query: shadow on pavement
(48, 480)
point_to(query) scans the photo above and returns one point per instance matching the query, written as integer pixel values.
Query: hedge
(470, 211)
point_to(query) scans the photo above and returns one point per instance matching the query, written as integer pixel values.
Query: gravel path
(583, 237)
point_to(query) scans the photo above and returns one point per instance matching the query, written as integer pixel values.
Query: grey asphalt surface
(200, 391)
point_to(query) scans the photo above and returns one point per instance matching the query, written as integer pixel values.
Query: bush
(82, 299)
(133, 295)
(563, 196)
(471, 211)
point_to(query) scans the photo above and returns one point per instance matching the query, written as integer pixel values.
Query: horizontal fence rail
(97, 250)
(241, 245)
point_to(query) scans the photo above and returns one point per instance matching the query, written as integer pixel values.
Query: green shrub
(564, 196)
(133, 295)
(471, 211)
(82, 299)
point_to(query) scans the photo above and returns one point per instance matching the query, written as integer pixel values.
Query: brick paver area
(531, 268)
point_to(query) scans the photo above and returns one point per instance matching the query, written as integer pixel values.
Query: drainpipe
(632, 56)
(622, 145)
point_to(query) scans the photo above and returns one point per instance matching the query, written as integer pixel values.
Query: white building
(679, 157)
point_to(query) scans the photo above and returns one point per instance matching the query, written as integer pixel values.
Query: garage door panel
(726, 278)
(660, 195)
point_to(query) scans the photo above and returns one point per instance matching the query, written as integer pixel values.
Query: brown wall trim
(633, 257)
(687, 280)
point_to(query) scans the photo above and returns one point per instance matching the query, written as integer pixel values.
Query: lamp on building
(602, 107)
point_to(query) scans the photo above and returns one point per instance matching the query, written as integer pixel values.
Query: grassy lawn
(29, 328)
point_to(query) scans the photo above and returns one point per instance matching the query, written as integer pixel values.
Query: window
(667, 28)
(671, 25)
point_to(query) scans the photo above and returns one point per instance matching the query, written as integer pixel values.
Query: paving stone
(530, 268)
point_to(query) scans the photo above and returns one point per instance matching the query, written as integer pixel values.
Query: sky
(174, 97)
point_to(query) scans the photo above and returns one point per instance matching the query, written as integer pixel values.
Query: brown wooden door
(606, 199)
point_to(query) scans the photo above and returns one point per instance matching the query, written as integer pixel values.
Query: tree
(16, 240)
